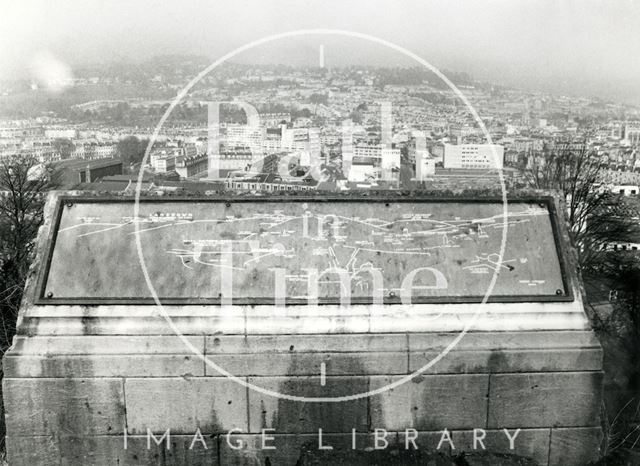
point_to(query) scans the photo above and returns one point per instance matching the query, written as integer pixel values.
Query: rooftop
(82, 164)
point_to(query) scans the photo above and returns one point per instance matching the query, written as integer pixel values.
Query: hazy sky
(593, 45)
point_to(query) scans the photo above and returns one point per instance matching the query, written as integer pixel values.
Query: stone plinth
(92, 374)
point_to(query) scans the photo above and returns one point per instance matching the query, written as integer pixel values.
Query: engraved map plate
(202, 250)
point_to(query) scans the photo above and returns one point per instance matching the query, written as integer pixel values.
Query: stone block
(63, 407)
(89, 345)
(514, 340)
(213, 404)
(498, 361)
(545, 399)
(114, 326)
(426, 441)
(483, 352)
(252, 344)
(574, 446)
(431, 402)
(530, 443)
(32, 450)
(157, 365)
(140, 451)
(279, 364)
(288, 416)
(288, 448)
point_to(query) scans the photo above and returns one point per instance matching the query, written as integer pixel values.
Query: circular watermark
(481, 308)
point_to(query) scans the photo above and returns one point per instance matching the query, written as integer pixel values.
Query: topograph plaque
(311, 250)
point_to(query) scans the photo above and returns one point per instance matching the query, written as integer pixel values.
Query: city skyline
(548, 46)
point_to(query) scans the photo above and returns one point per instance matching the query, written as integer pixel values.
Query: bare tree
(598, 219)
(595, 215)
(23, 186)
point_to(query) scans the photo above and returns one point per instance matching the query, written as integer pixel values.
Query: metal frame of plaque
(547, 202)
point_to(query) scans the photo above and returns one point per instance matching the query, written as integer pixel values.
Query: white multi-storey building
(425, 165)
(315, 146)
(386, 156)
(190, 166)
(484, 156)
(271, 120)
(61, 132)
(164, 164)
(382, 156)
(246, 136)
(363, 170)
(632, 132)
(232, 158)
